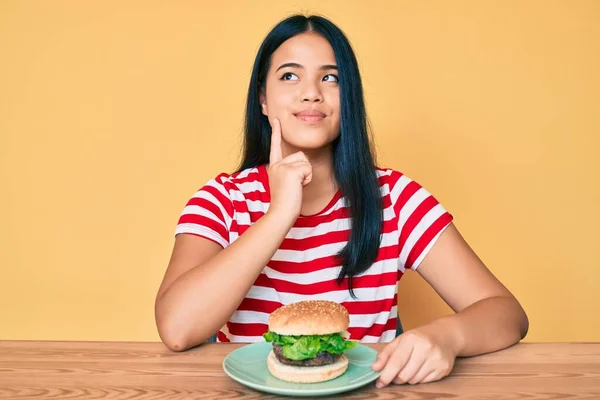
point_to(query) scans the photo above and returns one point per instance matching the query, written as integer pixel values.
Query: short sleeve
(421, 220)
(209, 212)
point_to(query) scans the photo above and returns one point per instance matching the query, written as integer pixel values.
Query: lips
(310, 116)
(310, 113)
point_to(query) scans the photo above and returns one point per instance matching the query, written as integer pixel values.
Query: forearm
(489, 325)
(201, 301)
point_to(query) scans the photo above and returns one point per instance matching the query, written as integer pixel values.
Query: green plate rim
(297, 392)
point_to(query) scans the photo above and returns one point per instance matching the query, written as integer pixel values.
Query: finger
(307, 176)
(305, 169)
(396, 362)
(384, 355)
(410, 369)
(296, 157)
(424, 371)
(434, 376)
(276, 153)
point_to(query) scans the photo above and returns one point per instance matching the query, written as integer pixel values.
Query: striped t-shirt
(305, 266)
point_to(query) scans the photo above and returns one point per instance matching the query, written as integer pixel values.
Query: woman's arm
(204, 284)
(487, 316)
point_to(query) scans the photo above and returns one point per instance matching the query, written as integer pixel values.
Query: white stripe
(203, 194)
(257, 206)
(308, 254)
(341, 224)
(341, 203)
(219, 186)
(418, 231)
(244, 174)
(339, 296)
(254, 186)
(327, 274)
(326, 250)
(399, 187)
(356, 320)
(246, 339)
(202, 231)
(242, 218)
(411, 205)
(386, 337)
(384, 189)
(368, 320)
(384, 172)
(249, 317)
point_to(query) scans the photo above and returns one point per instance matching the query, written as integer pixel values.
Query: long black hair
(353, 156)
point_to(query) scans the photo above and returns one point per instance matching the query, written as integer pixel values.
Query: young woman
(309, 215)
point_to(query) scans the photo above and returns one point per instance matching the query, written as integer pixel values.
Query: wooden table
(109, 370)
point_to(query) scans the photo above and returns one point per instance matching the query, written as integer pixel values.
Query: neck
(323, 178)
(322, 186)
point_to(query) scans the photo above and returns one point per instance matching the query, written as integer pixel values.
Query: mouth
(313, 117)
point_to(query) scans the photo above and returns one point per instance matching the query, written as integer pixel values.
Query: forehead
(308, 49)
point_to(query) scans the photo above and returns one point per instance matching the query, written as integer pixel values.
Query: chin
(310, 142)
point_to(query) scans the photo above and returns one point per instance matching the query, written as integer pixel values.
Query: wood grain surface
(118, 371)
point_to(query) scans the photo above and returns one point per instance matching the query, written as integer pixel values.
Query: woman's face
(302, 91)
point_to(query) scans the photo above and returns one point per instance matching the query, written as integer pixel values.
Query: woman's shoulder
(397, 184)
(390, 176)
(248, 180)
(244, 176)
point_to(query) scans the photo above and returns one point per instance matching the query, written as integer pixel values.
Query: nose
(311, 92)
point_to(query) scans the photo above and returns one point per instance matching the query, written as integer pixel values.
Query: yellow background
(113, 113)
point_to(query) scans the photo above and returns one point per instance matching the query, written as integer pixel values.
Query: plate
(248, 366)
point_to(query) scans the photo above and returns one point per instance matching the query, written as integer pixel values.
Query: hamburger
(309, 339)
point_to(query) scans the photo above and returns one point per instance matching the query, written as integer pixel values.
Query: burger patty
(323, 358)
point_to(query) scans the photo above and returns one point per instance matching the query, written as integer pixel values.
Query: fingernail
(379, 385)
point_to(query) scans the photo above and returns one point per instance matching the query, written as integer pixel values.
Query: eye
(287, 76)
(332, 76)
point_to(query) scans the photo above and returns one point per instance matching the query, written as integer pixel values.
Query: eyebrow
(296, 65)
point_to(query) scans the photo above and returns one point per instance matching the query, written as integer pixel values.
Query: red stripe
(222, 338)
(290, 267)
(405, 195)
(298, 268)
(312, 242)
(315, 241)
(386, 201)
(353, 307)
(252, 177)
(415, 218)
(313, 221)
(247, 329)
(427, 237)
(256, 195)
(356, 333)
(207, 205)
(255, 215)
(240, 206)
(265, 306)
(370, 307)
(222, 199)
(365, 281)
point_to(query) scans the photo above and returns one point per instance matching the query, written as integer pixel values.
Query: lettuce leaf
(304, 347)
